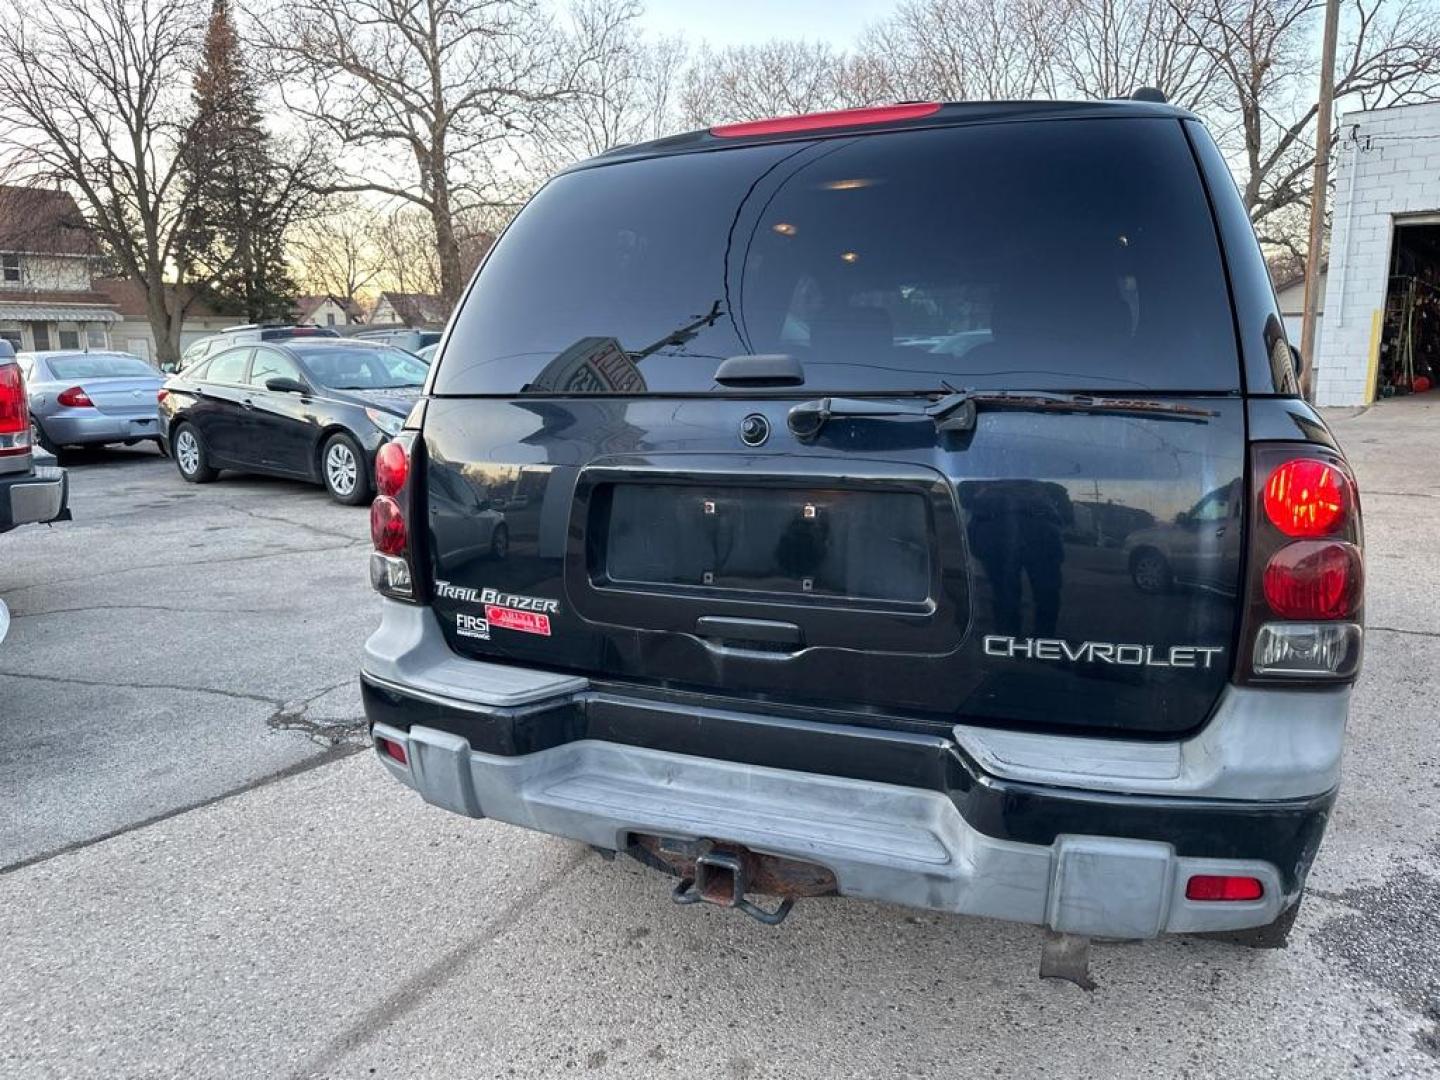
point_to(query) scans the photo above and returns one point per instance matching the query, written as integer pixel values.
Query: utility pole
(1317, 198)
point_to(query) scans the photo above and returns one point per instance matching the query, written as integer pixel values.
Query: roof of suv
(945, 114)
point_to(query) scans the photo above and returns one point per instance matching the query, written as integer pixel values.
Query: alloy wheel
(340, 469)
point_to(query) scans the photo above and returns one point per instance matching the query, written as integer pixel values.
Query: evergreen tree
(242, 201)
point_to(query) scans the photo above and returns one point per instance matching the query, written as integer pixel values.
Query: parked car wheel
(342, 467)
(1150, 572)
(191, 457)
(38, 436)
(500, 542)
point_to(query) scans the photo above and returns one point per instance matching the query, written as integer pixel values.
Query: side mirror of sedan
(285, 385)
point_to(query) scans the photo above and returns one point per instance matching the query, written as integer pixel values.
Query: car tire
(1151, 572)
(191, 457)
(1275, 935)
(37, 434)
(343, 470)
(500, 543)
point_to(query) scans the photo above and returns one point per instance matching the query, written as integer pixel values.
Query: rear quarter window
(1057, 255)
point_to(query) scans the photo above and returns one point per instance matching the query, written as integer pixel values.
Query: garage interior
(1409, 361)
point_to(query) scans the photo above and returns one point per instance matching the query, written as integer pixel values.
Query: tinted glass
(362, 367)
(269, 364)
(228, 367)
(98, 366)
(1074, 254)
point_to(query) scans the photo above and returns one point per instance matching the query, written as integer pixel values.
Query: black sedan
(317, 409)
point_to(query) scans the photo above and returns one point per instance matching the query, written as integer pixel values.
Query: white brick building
(1385, 240)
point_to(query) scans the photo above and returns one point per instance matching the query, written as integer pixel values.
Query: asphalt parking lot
(202, 874)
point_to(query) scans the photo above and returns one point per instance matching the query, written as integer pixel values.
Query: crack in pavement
(409, 995)
(1399, 630)
(350, 730)
(146, 607)
(327, 756)
(238, 695)
(316, 529)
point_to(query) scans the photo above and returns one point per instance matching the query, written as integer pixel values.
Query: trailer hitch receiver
(720, 878)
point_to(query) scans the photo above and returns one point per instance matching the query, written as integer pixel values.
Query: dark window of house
(69, 339)
(1052, 255)
(10, 267)
(40, 332)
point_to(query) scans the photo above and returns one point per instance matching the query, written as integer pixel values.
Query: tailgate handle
(764, 630)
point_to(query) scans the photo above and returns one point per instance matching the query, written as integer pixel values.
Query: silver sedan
(87, 398)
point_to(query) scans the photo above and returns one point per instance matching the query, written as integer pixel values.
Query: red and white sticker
(527, 622)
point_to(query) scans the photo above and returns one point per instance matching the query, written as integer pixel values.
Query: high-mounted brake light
(780, 125)
(1305, 497)
(74, 397)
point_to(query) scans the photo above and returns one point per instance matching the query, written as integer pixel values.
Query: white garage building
(1382, 295)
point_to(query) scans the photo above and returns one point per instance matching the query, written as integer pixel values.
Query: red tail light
(74, 397)
(1223, 887)
(1306, 497)
(1306, 583)
(1314, 579)
(161, 394)
(392, 563)
(14, 412)
(387, 526)
(392, 468)
(392, 749)
(780, 125)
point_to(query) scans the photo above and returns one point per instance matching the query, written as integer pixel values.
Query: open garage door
(1409, 357)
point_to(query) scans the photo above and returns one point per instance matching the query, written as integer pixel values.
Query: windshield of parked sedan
(98, 366)
(1049, 255)
(362, 367)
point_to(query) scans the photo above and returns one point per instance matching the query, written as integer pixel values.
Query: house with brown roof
(327, 310)
(133, 333)
(416, 310)
(47, 261)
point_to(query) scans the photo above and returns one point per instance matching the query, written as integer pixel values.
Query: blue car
(91, 398)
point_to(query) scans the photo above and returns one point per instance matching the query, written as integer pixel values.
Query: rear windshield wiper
(956, 411)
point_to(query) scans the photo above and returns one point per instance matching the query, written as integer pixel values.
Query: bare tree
(93, 96)
(426, 99)
(1263, 52)
(1108, 48)
(778, 78)
(626, 94)
(337, 253)
(959, 50)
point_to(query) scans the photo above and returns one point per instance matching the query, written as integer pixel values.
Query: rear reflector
(74, 397)
(392, 749)
(780, 125)
(1314, 579)
(1305, 497)
(1223, 887)
(387, 526)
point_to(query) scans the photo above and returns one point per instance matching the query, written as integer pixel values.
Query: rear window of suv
(1053, 255)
